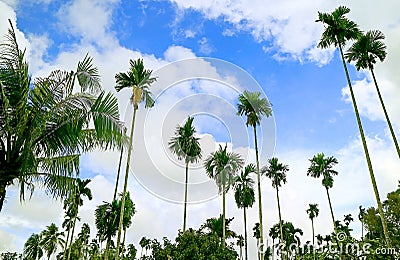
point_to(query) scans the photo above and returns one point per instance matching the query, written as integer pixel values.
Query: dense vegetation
(45, 127)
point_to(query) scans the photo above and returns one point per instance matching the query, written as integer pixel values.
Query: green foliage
(192, 244)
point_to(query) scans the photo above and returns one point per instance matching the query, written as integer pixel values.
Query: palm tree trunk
(2, 194)
(313, 236)
(362, 231)
(279, 212)
(330, 207)
(223, 213)
(107, 248)
(371, 172)
(128, 160)
(185, 202)
(66, 242)
(280, 217)
(119, 171)
(261, 248)
(385, 112)
(245, 232)
(72, 235)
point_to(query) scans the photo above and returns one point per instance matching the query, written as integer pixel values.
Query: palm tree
(186, 146)
(222, 167)
(216, 226)
(365, 51)
(313, 212)
(51, 238)
(254, 108)
(276, 171)
(291, 234)
(45, 126)
(274, 232)
(144, 243)
(32, 247)
(84, 236)
(361, 216)
(240, 244)
(338, 30)
(244, 196)
(321, 166)
(139, 80)
(257, 235)
(80, 190)
(70, 216)
(106, 221)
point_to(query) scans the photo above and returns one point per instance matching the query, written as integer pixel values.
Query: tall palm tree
(51, 238)
(32, 247)
(222, 166)
(365, 51)
(240, 244)
(80, 190)
(187, 147)
(322, 166)
(313, 212)
(361, 216)
(45, 126)
(139, 80)
(338, 30)
(254, 108)
(244, 196)
(276, 171)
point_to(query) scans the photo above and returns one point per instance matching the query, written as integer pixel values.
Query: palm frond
(88, 75)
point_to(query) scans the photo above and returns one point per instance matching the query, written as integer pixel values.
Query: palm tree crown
(367, 49)
(253, 107)
(139, 79)
(313, 211)
(222, 166)
(33, 248)
(276, 171)
(338, 28)
(322, 166)
(244, 187)
(184, 144)
(45, 126)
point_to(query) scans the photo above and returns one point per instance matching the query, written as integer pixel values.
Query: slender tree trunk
(107, 248)
(241, 253)
(72, 235)
(2, 194)
(273, 249)
(124, 237)
(330, 207)
(119, 171)
(385, 112)
(362, 231)
(371, 172)
(279, 212)
(245, 232)
(261, 248)
(280, 218)
(186, 191)
(313, 236)
(128, 160)
(223, 213)
(66, 242)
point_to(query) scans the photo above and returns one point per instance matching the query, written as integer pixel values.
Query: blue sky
(275, 43)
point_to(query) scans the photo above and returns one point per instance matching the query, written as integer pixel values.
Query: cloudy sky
(267, 46)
